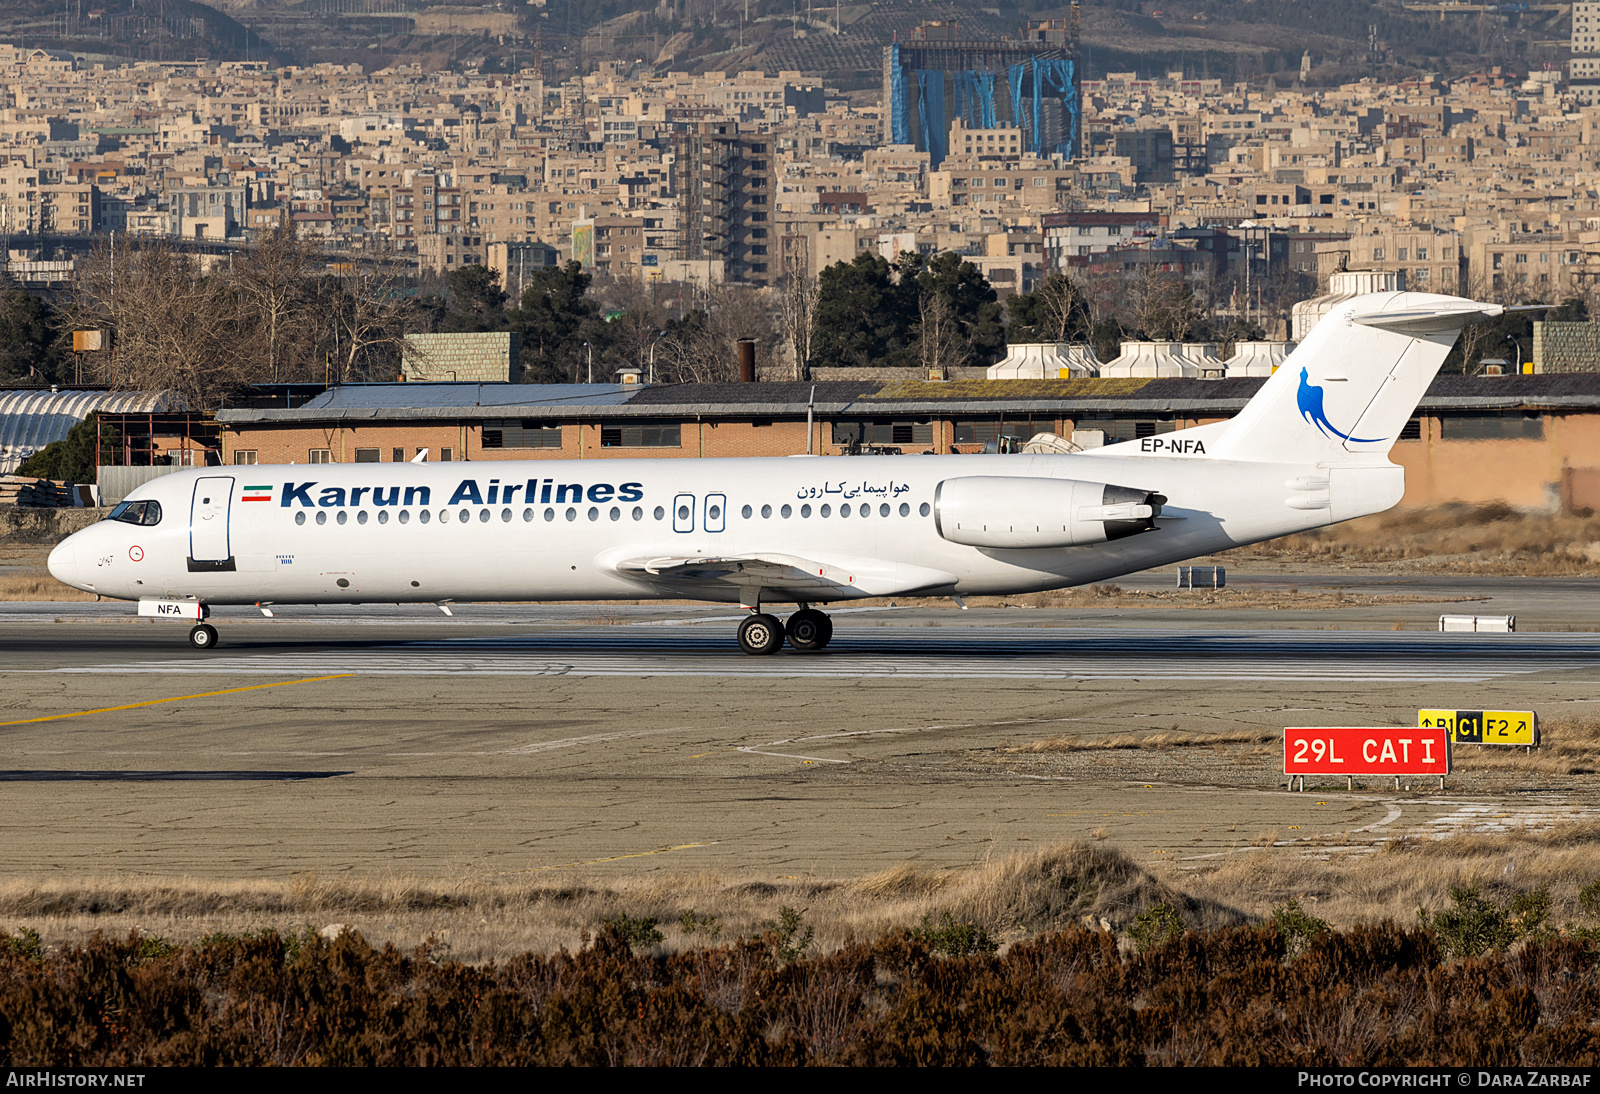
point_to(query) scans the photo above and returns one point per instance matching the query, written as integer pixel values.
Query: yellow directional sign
(1484, 727)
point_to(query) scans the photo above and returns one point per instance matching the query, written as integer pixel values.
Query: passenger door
(209, 510)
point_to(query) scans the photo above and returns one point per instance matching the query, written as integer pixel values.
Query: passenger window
(923, 509)
(383, 516)
(784, 512)
(300, 518)
(766, 512)
(661, 513)
(361, 517)
(638, 513)
(405, 516)
(905, 510)
(805, 510)
(322, 518)
(826, 511)
(423, 516)
(343, 517)
(883, 510)
(745, 512)
(527, 515)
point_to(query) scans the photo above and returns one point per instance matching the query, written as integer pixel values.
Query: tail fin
(1344, 394)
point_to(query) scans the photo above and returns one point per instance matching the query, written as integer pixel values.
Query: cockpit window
(146, 513)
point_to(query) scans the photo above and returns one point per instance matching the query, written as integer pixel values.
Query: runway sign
(1346, 751)
(1484, 727)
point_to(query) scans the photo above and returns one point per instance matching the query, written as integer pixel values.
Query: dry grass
(1408, 874)
(1567, 746)
(1160, 739)
(1012, 897)
(1482, 539)
(38, 585)
(492, 920)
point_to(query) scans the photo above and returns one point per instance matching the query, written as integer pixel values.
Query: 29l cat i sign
(1347, 751)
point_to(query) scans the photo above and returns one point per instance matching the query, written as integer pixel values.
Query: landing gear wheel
(203, 637)
(809, 630)
(761, 634)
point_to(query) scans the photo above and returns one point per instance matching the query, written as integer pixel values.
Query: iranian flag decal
(258, 493)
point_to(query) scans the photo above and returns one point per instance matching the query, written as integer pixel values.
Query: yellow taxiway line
(176, 699)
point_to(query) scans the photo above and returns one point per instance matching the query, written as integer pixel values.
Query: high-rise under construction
(938, 75)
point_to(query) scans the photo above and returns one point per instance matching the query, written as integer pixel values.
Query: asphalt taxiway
(516, 740)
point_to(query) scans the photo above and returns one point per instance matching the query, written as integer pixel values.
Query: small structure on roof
(1046, 361)
(479, 358)
(1150, 359)
(1257, 358)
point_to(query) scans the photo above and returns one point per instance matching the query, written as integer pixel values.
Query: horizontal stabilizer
(1433, 320)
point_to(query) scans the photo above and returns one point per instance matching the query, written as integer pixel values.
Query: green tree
(477, 303)
(30, 348)
(71, 459)
(1056, 311)
(972, 300)
(555, 318)
(864, 315)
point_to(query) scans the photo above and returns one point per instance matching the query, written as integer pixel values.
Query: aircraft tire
(761, 634)
(808, 630)
(203, 637)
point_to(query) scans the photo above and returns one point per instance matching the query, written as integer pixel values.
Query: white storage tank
(1257, 358)
(1046, 361)
(1150, 359)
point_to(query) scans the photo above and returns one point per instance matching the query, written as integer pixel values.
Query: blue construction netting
(976, 90)
(930, 107)
(1019, 113)
(900, 99)
(1057, 77)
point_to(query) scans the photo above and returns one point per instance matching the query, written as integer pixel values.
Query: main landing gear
(807, 631)
(203, 637)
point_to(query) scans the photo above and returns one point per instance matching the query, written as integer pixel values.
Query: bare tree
(798, 306)
(370, 318)
(701, 347)
(173, 327)
(939, 339)
(272, 278)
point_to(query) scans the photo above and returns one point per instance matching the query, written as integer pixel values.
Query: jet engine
(1000, 511)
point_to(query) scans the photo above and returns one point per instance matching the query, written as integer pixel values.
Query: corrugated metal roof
(1189, 396)
(29, 420)
(420, 400)
(788, 393)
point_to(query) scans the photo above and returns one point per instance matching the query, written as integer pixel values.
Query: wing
(780, 577)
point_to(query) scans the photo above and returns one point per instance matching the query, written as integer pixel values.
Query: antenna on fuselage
(421, 456)
(811, 405)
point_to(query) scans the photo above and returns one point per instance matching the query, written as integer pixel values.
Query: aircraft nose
(63, 562)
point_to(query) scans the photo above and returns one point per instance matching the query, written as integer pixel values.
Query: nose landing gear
(203, 637)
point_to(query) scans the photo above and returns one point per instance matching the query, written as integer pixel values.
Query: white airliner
(1310, 449)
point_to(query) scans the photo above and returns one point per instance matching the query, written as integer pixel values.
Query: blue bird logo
(1309, 398)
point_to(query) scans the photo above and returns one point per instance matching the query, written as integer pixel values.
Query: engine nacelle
(1000, 511)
